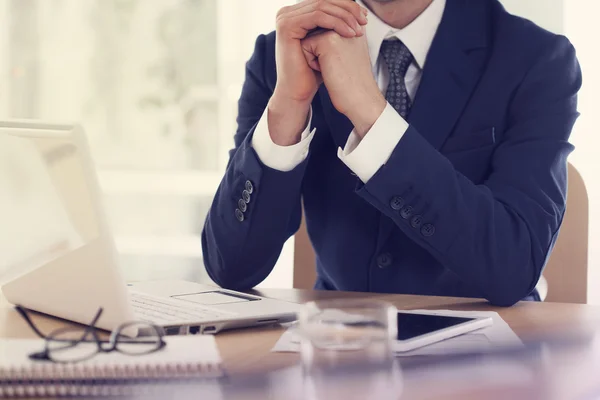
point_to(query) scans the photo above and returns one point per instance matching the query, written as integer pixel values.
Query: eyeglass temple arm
(89, 329)
(23, 313)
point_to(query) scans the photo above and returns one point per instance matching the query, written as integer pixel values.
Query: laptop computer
(58, 256)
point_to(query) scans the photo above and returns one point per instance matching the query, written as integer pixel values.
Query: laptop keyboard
(161, 310)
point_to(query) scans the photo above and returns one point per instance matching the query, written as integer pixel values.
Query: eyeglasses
(76, 344)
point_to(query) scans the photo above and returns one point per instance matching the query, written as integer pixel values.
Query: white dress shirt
(365, 157)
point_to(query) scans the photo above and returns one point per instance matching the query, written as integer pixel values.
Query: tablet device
(421, 328)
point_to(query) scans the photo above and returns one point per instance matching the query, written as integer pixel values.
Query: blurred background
(155, 84)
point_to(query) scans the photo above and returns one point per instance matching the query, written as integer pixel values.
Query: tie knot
(397, 56)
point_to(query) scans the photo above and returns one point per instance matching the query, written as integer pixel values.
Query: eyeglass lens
(70, 345)
(149, 341)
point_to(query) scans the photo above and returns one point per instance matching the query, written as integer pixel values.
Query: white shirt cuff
(365, 157)
(281, 158)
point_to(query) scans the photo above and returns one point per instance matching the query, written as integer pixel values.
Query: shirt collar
(417, 36)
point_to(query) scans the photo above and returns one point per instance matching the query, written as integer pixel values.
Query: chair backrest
(305, 269)
(567, 268)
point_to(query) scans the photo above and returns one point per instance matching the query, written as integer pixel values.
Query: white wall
(581, 26)
(3, 65)
(546, 13)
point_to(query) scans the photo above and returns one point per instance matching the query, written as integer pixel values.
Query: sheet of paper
(499, 334)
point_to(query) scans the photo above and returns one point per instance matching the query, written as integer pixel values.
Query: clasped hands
(337, 58)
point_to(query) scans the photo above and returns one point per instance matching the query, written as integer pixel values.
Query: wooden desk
(246, 350)
(249, 350)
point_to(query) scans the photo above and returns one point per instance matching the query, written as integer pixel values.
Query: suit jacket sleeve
(240, 254)
(495, 236)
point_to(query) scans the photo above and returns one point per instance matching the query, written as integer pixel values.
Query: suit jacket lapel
(454, 66)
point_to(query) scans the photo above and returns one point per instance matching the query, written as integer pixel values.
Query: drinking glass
(346, 349)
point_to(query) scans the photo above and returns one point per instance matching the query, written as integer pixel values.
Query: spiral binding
(68, 380)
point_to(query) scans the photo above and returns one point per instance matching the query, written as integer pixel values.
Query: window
(155, 84)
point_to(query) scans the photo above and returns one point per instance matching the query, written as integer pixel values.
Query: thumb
(310, 54)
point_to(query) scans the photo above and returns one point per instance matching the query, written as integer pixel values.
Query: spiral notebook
(185, 359)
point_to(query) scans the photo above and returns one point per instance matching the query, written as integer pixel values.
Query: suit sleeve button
(242, 205)
(407, 212)
(246, 196)
(239, 215)
(416, 221)
(249, 187)
(397, 203)
(384, 260)
(428, 230)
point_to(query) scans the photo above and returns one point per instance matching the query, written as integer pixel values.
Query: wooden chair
(305, 273)
(566, 272)
(565, 276)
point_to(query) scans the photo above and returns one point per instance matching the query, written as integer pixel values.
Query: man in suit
(428, 140)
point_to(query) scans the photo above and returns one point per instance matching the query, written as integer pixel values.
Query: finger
(339, 8)
(311, 59)
(359, 12)
(343, 14)
(290, 9)
(299, 26)
(345, 10)
(323, 20)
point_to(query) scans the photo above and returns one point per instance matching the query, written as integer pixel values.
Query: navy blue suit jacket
(482, 168)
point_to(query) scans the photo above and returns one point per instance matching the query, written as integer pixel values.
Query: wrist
(287, 119)
(364, 115)
(280, 100)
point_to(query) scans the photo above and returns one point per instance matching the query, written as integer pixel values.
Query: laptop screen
(45, 205)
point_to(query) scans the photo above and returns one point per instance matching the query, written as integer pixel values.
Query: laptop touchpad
(213, 298)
